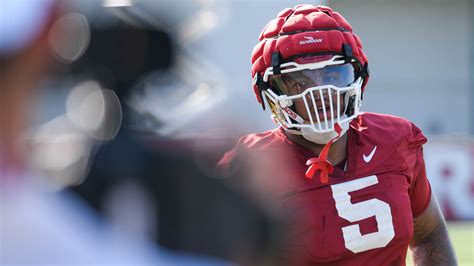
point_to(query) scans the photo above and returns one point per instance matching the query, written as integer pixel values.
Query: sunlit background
(421, 57)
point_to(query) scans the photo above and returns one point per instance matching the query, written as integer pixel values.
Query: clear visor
(297, 82)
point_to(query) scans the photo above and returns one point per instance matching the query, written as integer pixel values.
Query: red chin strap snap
(321, 163)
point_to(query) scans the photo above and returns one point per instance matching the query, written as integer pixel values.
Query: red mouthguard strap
(321, 163)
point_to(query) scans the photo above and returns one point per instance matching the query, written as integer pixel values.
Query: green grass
(462, 237)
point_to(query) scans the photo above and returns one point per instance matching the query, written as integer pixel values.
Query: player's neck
(337, 152)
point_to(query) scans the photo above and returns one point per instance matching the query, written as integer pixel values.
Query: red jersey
(364, 214)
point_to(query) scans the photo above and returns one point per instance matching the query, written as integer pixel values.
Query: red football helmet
(309, 54)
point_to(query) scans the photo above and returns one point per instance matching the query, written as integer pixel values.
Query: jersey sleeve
(240, 159)
(234, 165)
(230, 160)
(420, 189)
(225, 161)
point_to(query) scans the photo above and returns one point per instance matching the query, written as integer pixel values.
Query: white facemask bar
(287, 116)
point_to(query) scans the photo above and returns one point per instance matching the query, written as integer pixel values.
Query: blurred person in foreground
(151, 185)
(354, 183)
(37, 226)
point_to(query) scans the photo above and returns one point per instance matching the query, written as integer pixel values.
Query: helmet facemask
(309, 99)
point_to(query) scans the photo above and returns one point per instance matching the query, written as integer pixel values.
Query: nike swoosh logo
(367, 158)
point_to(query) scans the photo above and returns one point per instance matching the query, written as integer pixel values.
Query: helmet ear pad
(349, 104)
(353, 100)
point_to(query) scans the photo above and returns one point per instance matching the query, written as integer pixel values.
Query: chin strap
(321, 163)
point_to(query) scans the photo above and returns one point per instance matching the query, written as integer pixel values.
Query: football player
(355, 183)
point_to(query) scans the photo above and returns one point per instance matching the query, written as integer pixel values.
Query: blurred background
(421, 56)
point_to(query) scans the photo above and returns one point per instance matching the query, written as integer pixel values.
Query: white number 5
(353, 212)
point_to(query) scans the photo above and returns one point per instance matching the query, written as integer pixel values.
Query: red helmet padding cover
(304, 29)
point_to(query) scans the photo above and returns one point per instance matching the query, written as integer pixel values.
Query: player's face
(322, 107)
(319, 103)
